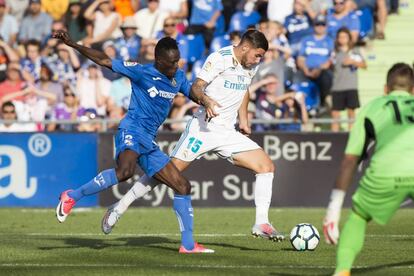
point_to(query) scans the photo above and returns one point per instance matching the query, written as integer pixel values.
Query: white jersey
(228, 83)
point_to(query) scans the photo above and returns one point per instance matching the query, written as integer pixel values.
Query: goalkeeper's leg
(350, 243)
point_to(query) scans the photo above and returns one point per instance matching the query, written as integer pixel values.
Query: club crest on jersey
(130, 63)
(235, 62)
(174, 82)
(207, 66)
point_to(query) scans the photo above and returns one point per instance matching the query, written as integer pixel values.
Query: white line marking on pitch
(177, 234)
(193, 266)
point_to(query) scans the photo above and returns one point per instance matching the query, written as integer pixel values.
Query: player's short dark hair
(256, 39)
(164, 45)
(400, 77)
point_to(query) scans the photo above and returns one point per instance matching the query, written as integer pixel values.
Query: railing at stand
(105, 122)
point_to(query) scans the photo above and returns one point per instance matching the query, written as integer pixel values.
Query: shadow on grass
(99, 244)
(242, 248)
(298, 274)
(362, 271)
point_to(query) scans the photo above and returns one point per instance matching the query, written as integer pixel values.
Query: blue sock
(99, 183)
(184, 212)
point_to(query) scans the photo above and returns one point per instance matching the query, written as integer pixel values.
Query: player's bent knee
(124, 173)
(184, 187)
(266, 167)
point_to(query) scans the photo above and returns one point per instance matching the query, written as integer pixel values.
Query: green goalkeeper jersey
(389, 121)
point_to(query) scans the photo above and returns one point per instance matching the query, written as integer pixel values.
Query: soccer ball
(304, 236)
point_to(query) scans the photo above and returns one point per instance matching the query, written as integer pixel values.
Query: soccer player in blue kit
(154, 87)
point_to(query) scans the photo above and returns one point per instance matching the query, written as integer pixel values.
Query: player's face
(168, 63)
(252, 57)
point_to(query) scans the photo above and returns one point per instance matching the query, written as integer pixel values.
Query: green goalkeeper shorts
(378, 198)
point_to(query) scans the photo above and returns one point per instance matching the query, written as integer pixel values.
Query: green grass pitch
(146, 241)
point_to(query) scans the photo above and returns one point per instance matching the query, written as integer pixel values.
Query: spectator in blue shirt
(128, 45)
(298, 25)
(340, 17)
(32, 62)
(204, 15)
(36, 25)
(314, 60)
(170, 29)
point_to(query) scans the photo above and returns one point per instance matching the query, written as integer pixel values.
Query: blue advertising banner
(36, 167)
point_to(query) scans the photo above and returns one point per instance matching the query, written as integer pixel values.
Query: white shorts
(201, 137)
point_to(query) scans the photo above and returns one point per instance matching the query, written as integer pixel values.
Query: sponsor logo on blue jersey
(153, 91)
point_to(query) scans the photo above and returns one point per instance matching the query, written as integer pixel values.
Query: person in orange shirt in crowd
(126, 7)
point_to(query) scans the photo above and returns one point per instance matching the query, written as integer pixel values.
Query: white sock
(143, 186)
(263, 196)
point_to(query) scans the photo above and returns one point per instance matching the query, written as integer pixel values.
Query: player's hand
(63, 36)
(245, 129)
(210, 106)
(330, 226)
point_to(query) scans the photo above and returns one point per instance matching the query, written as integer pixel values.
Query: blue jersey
(128, 49)
(152, 95)
(298, 26)
(351, 21)
(203, 10)
(316, 51)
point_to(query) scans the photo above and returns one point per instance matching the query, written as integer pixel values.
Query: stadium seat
(241, 20)
(366, 20)
(219, 42)
(311, 91)
(220, 27)
(196, 47)
(197, 67)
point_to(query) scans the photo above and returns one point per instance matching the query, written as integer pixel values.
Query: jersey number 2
(398, 116)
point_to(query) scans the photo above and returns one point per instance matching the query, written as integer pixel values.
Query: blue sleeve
(183, 48)
(130, 69)
(302, 51)
(185, 87)
(354, 23)
(219, 5)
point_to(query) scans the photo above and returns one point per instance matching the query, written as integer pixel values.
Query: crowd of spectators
(310, 68)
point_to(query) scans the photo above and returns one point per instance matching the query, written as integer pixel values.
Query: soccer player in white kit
(225, 77)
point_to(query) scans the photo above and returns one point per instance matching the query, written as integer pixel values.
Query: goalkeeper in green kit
(389, 179)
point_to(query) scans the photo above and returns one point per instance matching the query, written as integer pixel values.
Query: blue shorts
(151, 159)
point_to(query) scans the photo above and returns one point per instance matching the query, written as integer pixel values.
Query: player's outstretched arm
(197, 95)
(244, 125)
(333, 213)
(96, 56)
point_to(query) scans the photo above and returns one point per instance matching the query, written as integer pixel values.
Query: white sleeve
(213, 66)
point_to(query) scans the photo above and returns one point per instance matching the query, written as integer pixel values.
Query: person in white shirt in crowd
(8, 25)
(175, 8)
(36, 24)
(320, 6)
(150, 20)
(8, 112)
(278, 10)
(93, 89)
(17, 8)
(106, 22)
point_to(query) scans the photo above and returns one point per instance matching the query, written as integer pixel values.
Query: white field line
(177, 234)
(213, 266)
